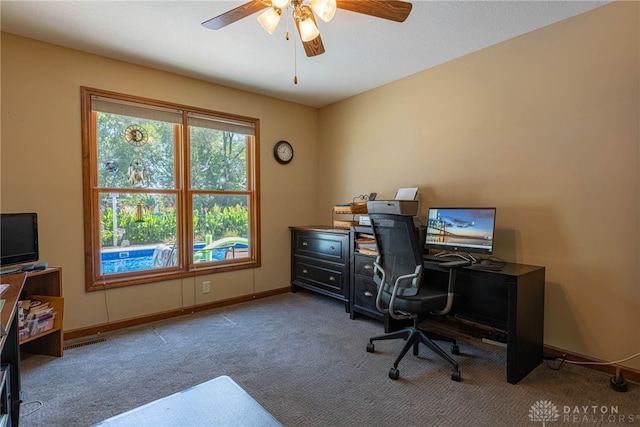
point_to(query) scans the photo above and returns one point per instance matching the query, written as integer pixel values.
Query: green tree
(156, 156)
(218, 163)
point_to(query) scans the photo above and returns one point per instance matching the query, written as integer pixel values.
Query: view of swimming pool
(127, 264)
(134, 259)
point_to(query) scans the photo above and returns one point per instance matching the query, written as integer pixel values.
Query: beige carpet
(302, 358)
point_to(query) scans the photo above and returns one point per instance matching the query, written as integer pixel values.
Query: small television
(18, 238)
(468, 230)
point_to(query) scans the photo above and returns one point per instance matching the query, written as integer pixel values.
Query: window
(169, 190)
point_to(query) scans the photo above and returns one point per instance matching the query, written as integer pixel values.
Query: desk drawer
(365, 293)
(363, 265)
(321, 275)
(326, 246)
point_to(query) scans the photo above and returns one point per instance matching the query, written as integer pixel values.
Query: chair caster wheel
(370, 347)
(455, 349)
(394, 374)
(619, 384)
(456, 376)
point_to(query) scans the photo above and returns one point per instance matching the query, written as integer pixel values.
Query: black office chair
(402, 293)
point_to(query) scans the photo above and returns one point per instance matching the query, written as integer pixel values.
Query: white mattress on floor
(219, 402)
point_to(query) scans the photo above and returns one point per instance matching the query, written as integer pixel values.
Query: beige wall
(546, 128)
(41, 171)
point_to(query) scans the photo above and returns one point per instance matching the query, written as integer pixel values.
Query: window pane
(141, 235)
(218, 160)
(135, 152)
(221, 227)
(188, 174)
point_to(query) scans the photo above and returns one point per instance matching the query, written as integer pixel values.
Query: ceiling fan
(304, 18)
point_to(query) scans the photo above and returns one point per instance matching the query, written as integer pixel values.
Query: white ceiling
(362, 52)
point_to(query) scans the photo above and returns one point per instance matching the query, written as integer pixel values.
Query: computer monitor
(18, 238)
(461, 229)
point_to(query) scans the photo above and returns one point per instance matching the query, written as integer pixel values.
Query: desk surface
(10, 297)
(510, 269)
(320, 228)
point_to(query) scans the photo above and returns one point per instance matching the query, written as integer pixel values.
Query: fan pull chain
(295, 54)
(295, 63)
(287, 34)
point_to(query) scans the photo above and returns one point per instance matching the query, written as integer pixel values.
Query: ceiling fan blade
(314, 47)
(236, 14)
(393, 10)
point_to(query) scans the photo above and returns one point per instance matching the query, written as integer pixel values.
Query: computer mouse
(485, 262)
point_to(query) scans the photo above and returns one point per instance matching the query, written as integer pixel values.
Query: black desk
(510, 301)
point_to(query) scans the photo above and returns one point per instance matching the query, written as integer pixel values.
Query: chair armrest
(453, 272)
(380, 282)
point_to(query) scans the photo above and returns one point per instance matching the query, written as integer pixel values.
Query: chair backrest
(398, 253)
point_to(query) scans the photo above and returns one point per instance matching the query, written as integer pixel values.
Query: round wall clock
(283, 152)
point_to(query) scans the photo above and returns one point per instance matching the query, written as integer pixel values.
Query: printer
(397, 207)
(403, 204)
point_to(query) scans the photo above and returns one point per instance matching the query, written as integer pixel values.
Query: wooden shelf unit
(46, 285)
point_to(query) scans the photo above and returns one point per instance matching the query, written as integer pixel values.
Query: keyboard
(488, 267)
(10, 270)
(434, 258)
(454, 264)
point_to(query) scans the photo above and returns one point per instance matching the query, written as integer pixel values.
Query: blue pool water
(127, 264)
(139, 259)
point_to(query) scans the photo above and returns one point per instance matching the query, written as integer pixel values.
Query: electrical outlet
(206, 287)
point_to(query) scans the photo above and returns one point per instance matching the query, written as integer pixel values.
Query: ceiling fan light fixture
(281, 4)
(269, 19)
(308, 30)
(325, 9)
(306, 25)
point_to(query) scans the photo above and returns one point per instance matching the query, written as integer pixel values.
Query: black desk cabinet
(363, 289)
(320, 261)
(510, 301)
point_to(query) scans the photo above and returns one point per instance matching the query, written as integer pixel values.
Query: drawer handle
(368, 266)
(368, 294)
(304, 271)
(332, 279)
(305, 244)
(332, 247)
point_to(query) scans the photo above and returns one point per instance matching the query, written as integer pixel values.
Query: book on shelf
(38, 309)
(34, 317)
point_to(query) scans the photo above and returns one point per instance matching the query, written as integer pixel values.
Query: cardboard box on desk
(344, 224)
(351, 208)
